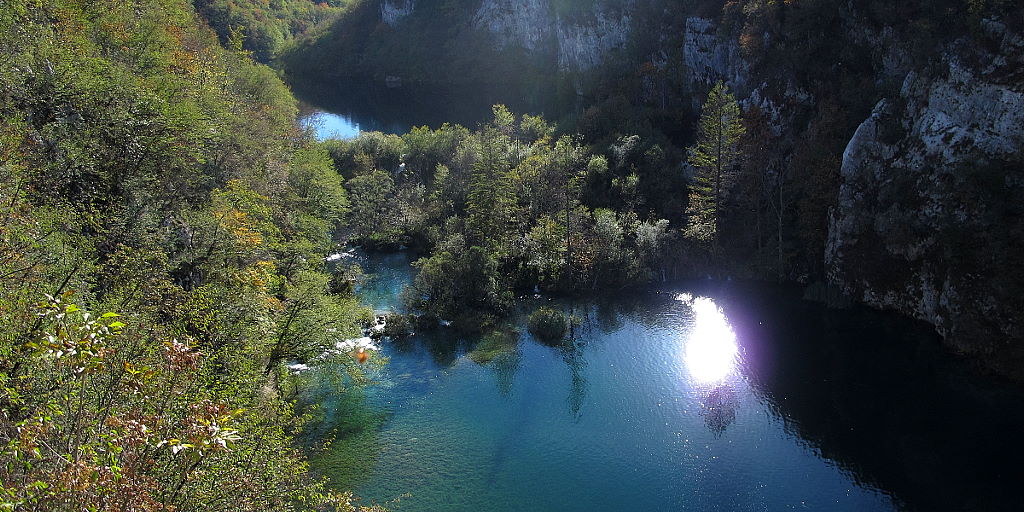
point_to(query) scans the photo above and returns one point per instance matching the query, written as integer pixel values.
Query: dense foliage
(506, 208)
(263, 27)
(714, 156)
(145, 170)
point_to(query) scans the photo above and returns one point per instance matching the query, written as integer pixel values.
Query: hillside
(162, 239)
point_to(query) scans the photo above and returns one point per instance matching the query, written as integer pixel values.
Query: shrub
(547, 324)
(398, 325)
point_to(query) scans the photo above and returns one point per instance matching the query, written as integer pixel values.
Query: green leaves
(148, 171)
(372, 217)
(714, 156)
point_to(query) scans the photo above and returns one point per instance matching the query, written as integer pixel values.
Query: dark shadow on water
(607, 316)
(499, 351)
(572, 355)
(443, 346)
(881, 397)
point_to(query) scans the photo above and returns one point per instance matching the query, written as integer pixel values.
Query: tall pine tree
(713, 156)
(491, 196)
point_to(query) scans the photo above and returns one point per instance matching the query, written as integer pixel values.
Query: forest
(165, 229)
(512, 208)
(162, 247)
(815, 68)
(175, 289)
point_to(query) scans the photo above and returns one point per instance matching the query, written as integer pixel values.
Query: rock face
(710, 58)
(579, 43)
(930, 215)
(929, 220)
(531, 25)
(523, 23)
(392, 11)
(582, 46)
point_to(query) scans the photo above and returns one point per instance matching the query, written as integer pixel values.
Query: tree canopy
(163, 228)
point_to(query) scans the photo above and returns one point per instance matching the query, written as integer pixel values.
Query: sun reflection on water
(710, 352)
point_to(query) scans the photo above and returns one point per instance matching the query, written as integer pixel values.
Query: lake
(701, 396)
(345, 107)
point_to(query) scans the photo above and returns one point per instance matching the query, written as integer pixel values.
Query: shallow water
(689, 397)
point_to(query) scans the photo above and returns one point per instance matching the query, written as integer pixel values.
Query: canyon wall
(580, 43)
(929, 216)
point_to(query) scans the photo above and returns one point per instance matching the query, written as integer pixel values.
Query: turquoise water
(385, 276)
(691, 397)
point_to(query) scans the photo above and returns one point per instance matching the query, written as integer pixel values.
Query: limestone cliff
(582, 46)
(709, 58)
(929, 217)
(581, 43)
(523, 23)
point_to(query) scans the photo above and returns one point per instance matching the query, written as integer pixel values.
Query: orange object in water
(361, 356)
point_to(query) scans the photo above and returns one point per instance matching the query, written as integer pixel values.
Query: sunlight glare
(711, 348)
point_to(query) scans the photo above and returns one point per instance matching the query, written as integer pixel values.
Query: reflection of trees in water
(443, 346)
(572, 354)
(499, 351)
(606, 315)
(505, 368)
(719, 408)
(571, 349)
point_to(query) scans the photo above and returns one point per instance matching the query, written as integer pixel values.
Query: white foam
(351, 253)
(365, 343)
